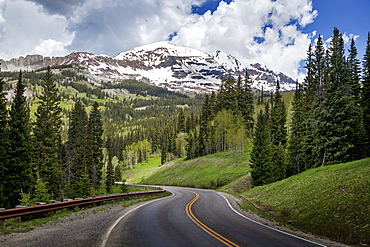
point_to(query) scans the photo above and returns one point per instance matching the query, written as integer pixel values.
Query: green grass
(332, 201)
(211, 171)
(141, 170)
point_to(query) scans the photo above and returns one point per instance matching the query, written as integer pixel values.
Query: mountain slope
(163, 64)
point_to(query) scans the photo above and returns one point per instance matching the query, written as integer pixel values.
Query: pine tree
(313, 97)
(343, 127)
(354, 72)
(79, 155)
(261, 155)
(203, 133)
(246, 104)
(295, 143)
(365, 94)
(4, 140)
(47, 136)
(41, 193)
(181, 121)
(96, 126)
(227, 97)
(109, 180)
(19, 177)
(278, 119)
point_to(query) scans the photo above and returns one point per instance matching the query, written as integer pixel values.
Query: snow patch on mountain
(163, 64)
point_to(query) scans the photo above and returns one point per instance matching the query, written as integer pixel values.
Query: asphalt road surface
(193, 217)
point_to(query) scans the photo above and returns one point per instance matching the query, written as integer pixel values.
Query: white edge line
(289, 234)
(110, 229)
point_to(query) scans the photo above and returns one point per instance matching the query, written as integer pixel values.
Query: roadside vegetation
(217, 170)
(332, 201)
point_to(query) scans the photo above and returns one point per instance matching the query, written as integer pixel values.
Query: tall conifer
(365, 99)
(47, 135)
(19, 171)
(342, 130)
(96, 127)
(278, 119)
(4, 140)
(246, 104)
(295, 144)
(354, 71)
(77, 145)
(261, 155)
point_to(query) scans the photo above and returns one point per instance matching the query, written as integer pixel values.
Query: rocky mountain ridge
(163, 64)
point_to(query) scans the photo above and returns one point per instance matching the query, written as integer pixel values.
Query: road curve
(193, 217)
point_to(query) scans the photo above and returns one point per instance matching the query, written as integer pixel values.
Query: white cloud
(50, 48)
(27, 27)
(233, 27)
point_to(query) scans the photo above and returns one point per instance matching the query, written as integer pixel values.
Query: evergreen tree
(96, 125)
(227, 97)
(203, 133)
(19, 177)
(208, 113)
(261, 155)
(4, 140)
(366, 94)
(41, 193)
(47, 136)
(295, 143)
(164, 148)
(181, 121)
(354, 71)
(313, 96)
(79, 155)
(343, 130)
(246, 104)
(117, 174)
(278, 119)
(192, 144)
(109, 180)
(279, 135)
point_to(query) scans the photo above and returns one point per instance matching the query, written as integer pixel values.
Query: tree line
(330, 116)
(35, 163)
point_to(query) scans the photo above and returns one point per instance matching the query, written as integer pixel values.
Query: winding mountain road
(193, 217)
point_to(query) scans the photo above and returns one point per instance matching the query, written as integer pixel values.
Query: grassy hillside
(211, 171)
(333, 201)
(141, 171)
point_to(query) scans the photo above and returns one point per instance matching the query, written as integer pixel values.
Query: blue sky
(275, 33)
(351, 17)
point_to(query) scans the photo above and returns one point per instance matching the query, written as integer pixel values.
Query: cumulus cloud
(113, 26)
(50, 48)
(262, 31)
(27, 27)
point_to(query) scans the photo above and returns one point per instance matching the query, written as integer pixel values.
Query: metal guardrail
(17, 212)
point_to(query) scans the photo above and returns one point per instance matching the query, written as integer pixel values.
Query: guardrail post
(19, 218)
(2, 222)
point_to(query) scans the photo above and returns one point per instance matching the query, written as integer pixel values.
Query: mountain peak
(227, 60)
(163, 64)
(165, 48)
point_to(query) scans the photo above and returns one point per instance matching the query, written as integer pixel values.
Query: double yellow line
(203, 226)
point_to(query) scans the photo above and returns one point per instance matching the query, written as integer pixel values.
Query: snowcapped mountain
(163, 64)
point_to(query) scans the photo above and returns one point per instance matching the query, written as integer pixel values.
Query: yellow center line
(202, 225)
